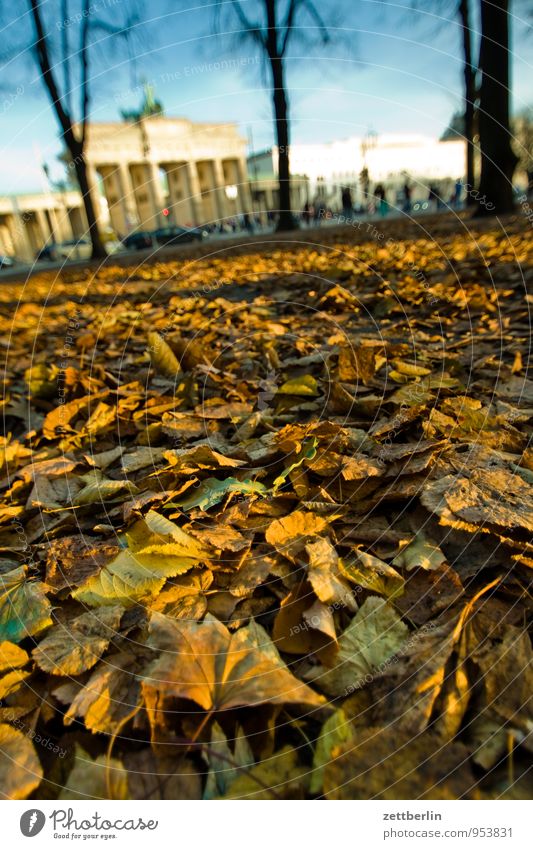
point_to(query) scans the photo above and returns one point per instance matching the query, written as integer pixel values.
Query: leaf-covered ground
(266, 521)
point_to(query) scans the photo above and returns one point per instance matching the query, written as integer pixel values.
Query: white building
(322, 169)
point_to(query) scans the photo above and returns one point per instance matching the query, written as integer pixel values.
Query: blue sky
(388, 68)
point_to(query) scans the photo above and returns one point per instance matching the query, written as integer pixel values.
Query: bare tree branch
(253, 30)
(318, 19)
(84, 59)
(45, 65)
(65, 58)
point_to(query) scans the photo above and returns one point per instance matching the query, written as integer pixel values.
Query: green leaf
(24, 608)
(212, 491)
(305, 385)
(308, 453)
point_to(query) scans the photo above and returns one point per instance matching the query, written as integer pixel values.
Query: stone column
(195, 192)
(44, 228)
(94, 187)
(21, 239)
(127, 197)
(56, 229)
(156, 193)
(245, 193)
(219, 189)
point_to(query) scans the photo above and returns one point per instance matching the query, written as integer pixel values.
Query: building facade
(160, 171)
(389, 159)
(29, 222)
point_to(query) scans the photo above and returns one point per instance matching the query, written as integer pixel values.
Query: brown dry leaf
(75, 646)
(427, 594)
(277, 777)
(163, 357)
(507, 667)
(374, 636)
(218, 670)
(280, 515)
(412, 683)
(184, 598)
(291, 534)
(356, 363)
(72, 560)
(20, 770)
(189, 460)
(58, 421)
(305, 626)
(11, 683)
(325, 575)
(486, 496)
(372, 573)
(153, 777)
(110, 695)
(12, 656)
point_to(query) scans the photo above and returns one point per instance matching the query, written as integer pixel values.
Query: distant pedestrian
(247, 223)
(381, 200)
(406, 197)
(458, 193)
(433, 197)
(347, 203)
(307, 213)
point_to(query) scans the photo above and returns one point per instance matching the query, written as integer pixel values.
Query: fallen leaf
(20, 770)
(218, 670)
(373, 637)
(24, 608)
(73, 647)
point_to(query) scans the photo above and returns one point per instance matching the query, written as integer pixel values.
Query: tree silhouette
(272, 33)
(42, 46)
(498, 161)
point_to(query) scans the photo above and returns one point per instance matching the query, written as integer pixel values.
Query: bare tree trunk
(470, 95)
(286, 220)
(498, 161)
(74, 146)
(76, 151)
